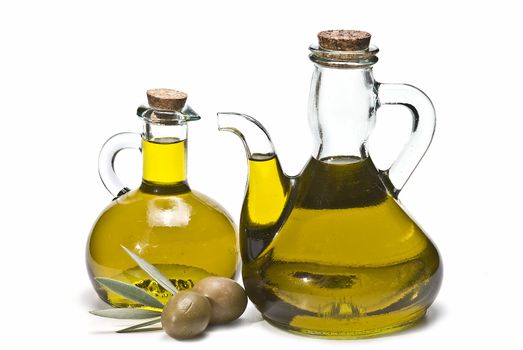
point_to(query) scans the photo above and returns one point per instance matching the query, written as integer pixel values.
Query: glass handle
(423, 126)
(107, 156)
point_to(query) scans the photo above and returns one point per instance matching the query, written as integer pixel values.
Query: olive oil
(344, 260)
(166, 161)
(272, 196)
(185, 234)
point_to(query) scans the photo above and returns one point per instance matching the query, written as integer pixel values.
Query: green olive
(186, 315)
(228, 299)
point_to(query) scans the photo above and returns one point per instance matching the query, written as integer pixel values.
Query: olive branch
(131, 292)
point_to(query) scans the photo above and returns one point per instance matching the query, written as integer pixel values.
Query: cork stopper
(344, 40)
(166, 99)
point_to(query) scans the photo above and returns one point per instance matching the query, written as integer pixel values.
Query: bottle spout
(255, 138)
(268, 188)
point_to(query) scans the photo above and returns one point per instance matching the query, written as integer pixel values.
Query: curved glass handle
(107, 156)
(423, 126)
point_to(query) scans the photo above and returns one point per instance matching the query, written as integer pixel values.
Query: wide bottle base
(343, 302)
(355, 328)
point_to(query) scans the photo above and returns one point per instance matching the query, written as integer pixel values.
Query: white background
(73, 72)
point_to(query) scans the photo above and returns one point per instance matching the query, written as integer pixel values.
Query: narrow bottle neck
(164, 149)
(342, 105)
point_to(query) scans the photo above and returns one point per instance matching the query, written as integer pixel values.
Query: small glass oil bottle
(185, 234)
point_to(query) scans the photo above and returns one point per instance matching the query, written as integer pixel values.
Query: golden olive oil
(185, 234)
(343, 260)
(166, 161)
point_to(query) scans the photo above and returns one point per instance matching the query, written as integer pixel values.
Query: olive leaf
(152, 271)
(130, 292)
(138, 327)
(124, 313)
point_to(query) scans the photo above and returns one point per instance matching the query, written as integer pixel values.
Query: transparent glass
(332, 252)
(185, 234)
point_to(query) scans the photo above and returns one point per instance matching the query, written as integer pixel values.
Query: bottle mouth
(343, 59)
(155, 116)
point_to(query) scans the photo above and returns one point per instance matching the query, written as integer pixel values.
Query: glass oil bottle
(332, 252)
(184, 233)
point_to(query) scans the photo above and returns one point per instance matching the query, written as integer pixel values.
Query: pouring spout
(255, 138)
(268, 188)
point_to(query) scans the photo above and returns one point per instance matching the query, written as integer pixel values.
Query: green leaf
(153, 272)
(130, 314)
(130, 292)
(138, 327)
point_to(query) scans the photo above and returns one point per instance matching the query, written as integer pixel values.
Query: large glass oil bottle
(185, 234)
(331, 252)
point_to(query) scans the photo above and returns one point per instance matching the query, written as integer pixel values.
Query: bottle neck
(164, 149)
(342, 105)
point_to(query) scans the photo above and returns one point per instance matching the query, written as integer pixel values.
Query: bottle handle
(110, 149)
(423, 126)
